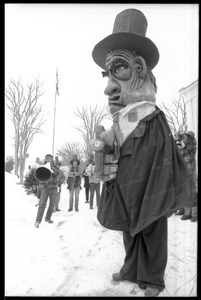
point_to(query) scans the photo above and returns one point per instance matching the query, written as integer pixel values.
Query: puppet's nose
(112, 87)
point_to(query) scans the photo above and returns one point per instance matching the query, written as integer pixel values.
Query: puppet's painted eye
(121, 70)
(119, 67)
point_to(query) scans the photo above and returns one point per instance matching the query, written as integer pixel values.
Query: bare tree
(68, 150)
(90, 118)
(176, 115)
(26, 115)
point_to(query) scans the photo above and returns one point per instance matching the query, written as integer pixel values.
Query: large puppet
(145, 177)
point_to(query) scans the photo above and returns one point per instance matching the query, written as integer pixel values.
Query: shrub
(9, 164)
(30, 182)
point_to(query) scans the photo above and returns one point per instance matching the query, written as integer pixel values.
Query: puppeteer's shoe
(151, 292)
(117, 277)
(57, 209)
(70, 209)
(194, 219)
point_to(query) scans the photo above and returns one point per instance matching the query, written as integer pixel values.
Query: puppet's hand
(110, 167)
(105, 161)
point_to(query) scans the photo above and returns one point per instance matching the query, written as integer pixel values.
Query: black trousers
(87, 193)
(146, 255)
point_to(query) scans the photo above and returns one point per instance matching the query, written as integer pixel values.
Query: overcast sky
(41, 37)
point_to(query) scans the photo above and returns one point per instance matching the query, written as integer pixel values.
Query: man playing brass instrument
(48, 189)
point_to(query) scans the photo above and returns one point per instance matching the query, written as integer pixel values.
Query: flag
(57, 82)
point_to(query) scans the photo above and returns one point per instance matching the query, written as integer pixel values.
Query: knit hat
(191, 137)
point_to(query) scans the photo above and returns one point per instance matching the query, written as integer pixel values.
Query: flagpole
(54, 123)
(56, 93)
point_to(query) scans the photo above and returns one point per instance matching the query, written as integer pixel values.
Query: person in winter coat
(94, 184)
(145, 177)
(47, 189)
(61, 180)
(188, 151)
(86, 184)
(74, 184)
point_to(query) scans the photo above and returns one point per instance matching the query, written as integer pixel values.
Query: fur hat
(50, 155)
(77, 160)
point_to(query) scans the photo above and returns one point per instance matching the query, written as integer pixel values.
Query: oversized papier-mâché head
(127, 57)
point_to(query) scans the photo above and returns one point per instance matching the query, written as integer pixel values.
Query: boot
(36, 224)
(151, 292)
(117, 277)
(49, 221)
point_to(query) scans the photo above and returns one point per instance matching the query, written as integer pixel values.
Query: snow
(76, 256)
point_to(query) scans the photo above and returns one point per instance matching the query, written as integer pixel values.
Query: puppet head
(128, 56)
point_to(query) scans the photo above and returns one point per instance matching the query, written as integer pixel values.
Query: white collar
(130, 106)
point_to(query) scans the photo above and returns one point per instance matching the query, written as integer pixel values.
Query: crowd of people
(186, 142)
(50, 188)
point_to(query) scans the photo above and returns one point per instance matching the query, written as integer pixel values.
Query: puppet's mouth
(113, 100)
(115, 104)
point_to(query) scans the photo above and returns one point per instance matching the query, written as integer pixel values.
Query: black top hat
(129, 32)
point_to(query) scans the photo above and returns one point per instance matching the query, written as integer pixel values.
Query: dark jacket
(153, 179)
(189, 150)
(74, 180)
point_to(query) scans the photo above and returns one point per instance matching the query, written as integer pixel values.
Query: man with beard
(145, 177)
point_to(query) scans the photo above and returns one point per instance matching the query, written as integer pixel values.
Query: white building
(190, 95)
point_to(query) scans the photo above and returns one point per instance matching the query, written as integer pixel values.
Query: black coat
(152, 180)
(86, 180)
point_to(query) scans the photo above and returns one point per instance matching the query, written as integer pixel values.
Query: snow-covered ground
(76, 256)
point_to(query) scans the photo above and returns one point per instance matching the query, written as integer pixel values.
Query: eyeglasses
(119, 69)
